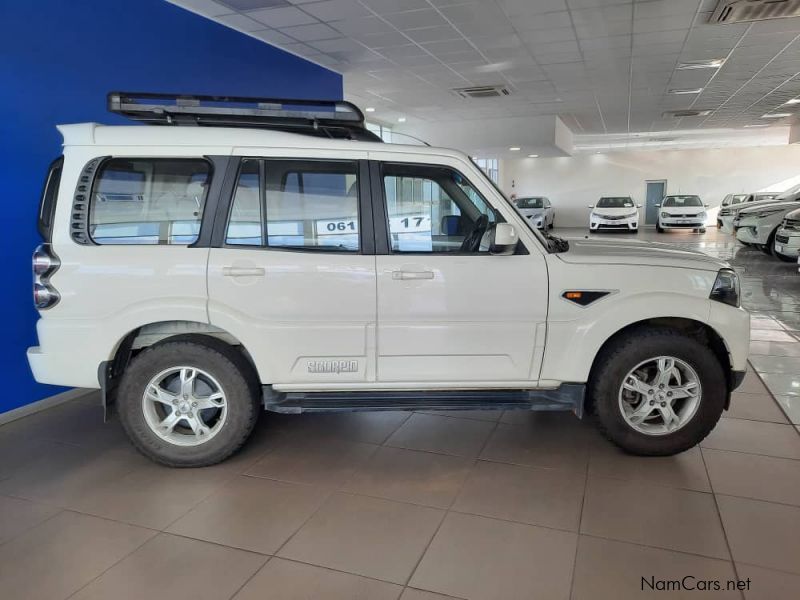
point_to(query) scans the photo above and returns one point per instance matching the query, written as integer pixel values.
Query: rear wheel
(657, 392)
(188, 403)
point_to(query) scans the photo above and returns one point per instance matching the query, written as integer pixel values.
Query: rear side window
(47, 203)
(303, 205)
(148, 200)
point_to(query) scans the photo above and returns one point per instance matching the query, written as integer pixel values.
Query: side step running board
(568, 396)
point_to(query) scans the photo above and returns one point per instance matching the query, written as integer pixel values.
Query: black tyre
(719, 224)
(783, 257)
(653, 411)
(659, 228)
(768, 248)
(188, 402)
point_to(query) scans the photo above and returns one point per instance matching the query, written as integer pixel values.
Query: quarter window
(245, 226)
(148, 201)
(435, 209)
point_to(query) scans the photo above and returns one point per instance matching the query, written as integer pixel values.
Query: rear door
(293, 276)
(451, 315)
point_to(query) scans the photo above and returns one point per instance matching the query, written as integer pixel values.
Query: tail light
(45, 263)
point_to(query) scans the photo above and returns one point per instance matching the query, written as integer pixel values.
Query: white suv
(198, 274)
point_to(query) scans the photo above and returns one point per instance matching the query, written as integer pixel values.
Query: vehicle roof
(95, 134)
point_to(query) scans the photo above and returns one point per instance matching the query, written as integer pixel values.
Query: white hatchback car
(616, 213)
(538, 210)
(281, 257)
(681, 212)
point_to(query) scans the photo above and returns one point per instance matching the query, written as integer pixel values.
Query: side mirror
(706, 205)
(503, 240)
(638, 206)
(591, 206)
(657, 206)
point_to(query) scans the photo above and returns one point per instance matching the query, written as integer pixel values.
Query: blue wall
(58, 59)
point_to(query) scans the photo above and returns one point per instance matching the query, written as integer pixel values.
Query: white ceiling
(602, 66)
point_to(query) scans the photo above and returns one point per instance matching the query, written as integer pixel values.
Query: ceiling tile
(309, 33)
(281, 17)
(240, 22)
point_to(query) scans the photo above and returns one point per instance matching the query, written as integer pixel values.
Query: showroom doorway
(655, 194)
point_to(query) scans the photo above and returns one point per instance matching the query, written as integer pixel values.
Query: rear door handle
(406, 275)
(243, 271)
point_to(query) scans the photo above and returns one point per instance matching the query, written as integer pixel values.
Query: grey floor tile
(610, 570)
(64, 553)
(460, 437)
(651, 515)
(754, 476)
(177, 568)
(775, 348)
(540, 445)
(366, 427)
(18, 451)
(783, 384)
(327, 462)
(752, 384)
(548, 497)
(685, 470)
(754, 437)
(376, 538)
(251, 513)
(755, 407)
(482, 558)
(18, 515)
(411, 476)
(791, 407)
(762, 533)
(151, 495)
(770, 335)
(766, 584)
(412, 594)
(282, 579)
(776, 364)
(480, 415)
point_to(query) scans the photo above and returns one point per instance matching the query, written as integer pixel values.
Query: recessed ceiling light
(714, 63)
(776, 115)
(687, 91)
(533, 156)
(793, 101)
(401, 119)
(369, 109)
(515, 149)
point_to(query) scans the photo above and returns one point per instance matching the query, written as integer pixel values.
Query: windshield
(530, 203)
(736, 199)
(681, 201)
(616, 202)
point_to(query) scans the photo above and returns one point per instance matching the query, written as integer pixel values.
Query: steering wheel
(472, 243)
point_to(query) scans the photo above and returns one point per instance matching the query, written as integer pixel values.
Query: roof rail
(322, 118)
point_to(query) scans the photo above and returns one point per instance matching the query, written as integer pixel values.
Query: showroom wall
(57, 62)
(576, 182)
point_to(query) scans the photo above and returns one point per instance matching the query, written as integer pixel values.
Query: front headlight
(726, 288)
(702, 215)
(665, 215)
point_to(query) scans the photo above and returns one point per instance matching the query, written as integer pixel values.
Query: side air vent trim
(79, 219)
(483, 91)
(743, 11)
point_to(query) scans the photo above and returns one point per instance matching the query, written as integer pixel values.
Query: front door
(294, 278)
(656, 190)
(449, 312)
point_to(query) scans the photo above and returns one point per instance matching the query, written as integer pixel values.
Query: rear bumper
(68, 354)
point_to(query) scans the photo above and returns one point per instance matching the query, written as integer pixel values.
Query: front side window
(148, 200)
(310, 205)
(435, 209)
(681, 201)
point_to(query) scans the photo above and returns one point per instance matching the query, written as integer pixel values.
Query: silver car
(538, 210)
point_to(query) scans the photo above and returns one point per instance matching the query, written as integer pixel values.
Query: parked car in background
(727, 215)
(758, 225)
(681, 212)
(729, 200)
(538, 210)
(787, 239)
(618, 213)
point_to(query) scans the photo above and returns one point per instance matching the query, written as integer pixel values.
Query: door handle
(243, 271)
(406, 275)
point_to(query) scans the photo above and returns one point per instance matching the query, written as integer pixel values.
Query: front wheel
(659, 228)
(188, 403)
(657, 392)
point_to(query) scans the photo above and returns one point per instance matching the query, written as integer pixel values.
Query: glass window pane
(244, 224)
(432, 209)
(148, 201)
(312, 205)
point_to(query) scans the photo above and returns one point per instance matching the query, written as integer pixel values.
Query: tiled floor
(423, 506)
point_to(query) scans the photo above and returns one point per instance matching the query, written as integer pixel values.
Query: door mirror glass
(638, 206)
(658, 205)
(706, 205)
(503, 239)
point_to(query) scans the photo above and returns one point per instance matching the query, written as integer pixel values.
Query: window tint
(148, 201)
(431, 209)
(615, 202)
(47, 203)
(245, 227)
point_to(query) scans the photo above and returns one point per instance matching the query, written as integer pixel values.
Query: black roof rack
(321, 118)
